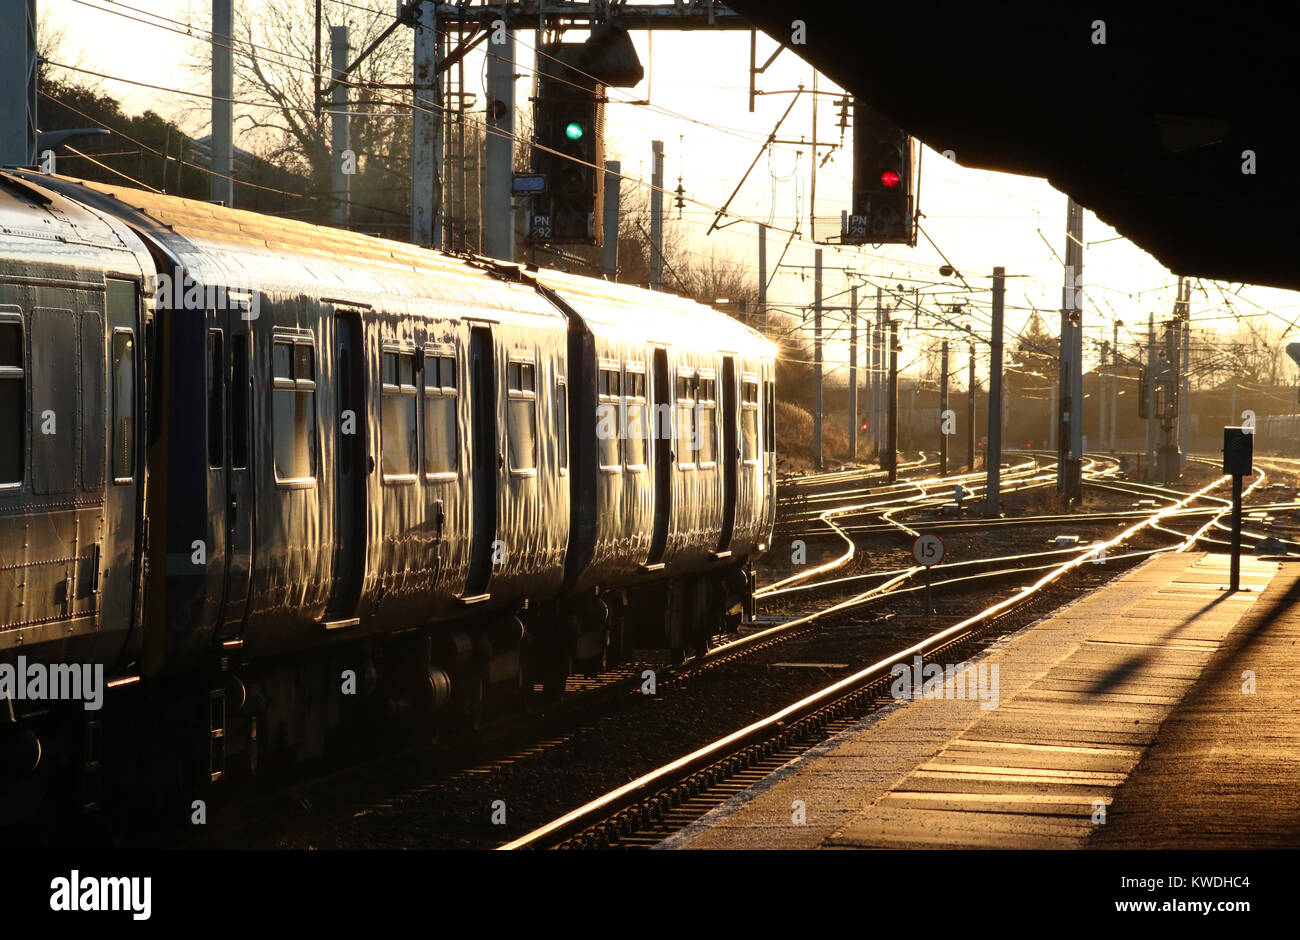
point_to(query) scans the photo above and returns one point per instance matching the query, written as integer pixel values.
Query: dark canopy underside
(1147, 130)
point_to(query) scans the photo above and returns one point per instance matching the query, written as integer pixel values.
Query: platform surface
(1122, 720)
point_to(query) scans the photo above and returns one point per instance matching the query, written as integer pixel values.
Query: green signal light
(573, 130)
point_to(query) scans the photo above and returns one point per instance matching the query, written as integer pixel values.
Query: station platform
(1159, 711)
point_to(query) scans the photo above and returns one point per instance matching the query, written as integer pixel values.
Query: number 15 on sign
(928, 550)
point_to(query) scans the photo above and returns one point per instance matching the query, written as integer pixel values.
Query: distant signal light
(574, 131)
(889, 179)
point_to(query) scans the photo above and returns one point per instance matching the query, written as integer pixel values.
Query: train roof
(654, 316)
(242, 249)
(249, 251)
(64, 232)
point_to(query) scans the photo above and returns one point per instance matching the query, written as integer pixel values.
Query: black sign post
(928, 550)
(1238, 453)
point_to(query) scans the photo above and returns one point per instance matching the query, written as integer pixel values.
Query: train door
(229, 352)
(729, 456)
(769, 446)
(486, 460)
(119, 600)
(662, 443)
(350, 469)
(520, 477)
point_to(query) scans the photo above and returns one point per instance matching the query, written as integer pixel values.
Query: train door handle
(501, 460)
(233, 514)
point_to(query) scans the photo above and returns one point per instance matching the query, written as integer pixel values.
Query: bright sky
(697, 82)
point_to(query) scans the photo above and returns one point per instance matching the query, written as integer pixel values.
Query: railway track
(889, 506)
(806, 508)
(645, 810)
(889, 597)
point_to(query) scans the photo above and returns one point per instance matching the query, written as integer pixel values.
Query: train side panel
(71, 475)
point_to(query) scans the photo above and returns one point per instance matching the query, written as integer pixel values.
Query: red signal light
(889, 179)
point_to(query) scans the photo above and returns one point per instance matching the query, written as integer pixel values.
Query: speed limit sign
(928, 550)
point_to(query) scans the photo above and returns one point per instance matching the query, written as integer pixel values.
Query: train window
(686, 441)
(439, 414)
(303, 365)
(523, 434)
(637, 429)
(216, 401)
(123, 406)
(749, 420)
(13, 399)
(11, 342)
(607, 419)
(239, 402)
(294, 381)
(769, 402)
(707, 427)
(609, 382)
(562, 423)
(282, 360)
(521, 416)
(399, 444)
(522, 376)
(92, 400)
(54, 401)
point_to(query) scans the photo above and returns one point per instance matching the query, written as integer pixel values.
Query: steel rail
(825, 517)
(602, 806)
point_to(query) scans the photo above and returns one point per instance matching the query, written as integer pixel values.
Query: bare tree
(52, 43)
(1258, 353)
(715, 277)
(794, 358)
(275, 90)
(634, 240)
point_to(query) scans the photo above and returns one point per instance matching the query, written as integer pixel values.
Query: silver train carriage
(1278, 435)
(246, 461)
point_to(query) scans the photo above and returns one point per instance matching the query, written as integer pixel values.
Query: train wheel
(437, 693)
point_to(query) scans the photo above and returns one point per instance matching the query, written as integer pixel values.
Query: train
(267, 486)
(1278, 435)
